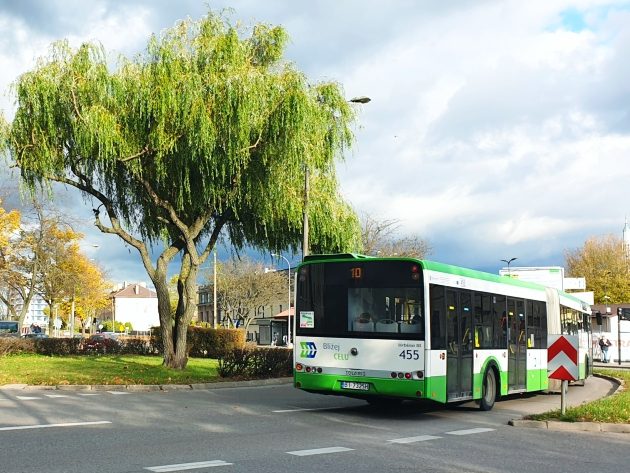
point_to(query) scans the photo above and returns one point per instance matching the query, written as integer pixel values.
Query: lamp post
(362, 100)
(508, 264)
(289, 309)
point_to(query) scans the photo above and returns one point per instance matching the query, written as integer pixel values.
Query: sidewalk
(613, 365)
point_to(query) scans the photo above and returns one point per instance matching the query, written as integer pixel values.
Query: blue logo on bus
(309, 350)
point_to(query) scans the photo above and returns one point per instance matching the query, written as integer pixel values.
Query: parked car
(9, 328)
(101, 343)
(35, 335)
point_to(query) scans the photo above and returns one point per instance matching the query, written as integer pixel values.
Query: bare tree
(243, 286)
(380, 238)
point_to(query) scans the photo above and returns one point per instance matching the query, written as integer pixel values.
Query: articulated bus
(389, 329)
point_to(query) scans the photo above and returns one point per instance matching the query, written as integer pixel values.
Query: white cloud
(494, 127)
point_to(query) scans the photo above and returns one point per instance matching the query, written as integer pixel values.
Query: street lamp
(508, 264)
(288, 313)
(362, 100)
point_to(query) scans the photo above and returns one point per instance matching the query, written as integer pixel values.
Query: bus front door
(517, 345)
(459, 348)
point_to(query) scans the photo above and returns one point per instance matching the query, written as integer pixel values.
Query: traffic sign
(562, 357)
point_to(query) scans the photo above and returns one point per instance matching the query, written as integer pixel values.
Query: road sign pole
(563, 396)
(619, 339)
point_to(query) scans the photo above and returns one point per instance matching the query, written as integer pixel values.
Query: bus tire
(488, 390)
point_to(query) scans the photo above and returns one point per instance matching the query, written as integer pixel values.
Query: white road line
(419, 438)
(469, 431)
(187, 466)
(117, 392)
(55, 396)
(27, 398)
(88, 394)
(319, 451)
(46, 426)
(306, 409)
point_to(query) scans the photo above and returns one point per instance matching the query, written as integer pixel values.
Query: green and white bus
(388, 329)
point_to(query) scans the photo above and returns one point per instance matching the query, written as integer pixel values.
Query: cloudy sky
(497, 129)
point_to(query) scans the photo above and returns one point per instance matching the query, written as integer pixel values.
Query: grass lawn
(615, 409)
(104, 369)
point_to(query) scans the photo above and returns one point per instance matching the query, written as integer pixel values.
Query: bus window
(499, 321)
(438, 318)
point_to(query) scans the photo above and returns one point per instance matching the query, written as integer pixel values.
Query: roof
(135, 291)
(286, 313)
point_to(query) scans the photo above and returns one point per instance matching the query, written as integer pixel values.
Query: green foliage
(107, 326)
(213, 120)
(257, 362)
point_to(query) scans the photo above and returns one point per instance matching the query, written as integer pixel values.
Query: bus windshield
(360, 299)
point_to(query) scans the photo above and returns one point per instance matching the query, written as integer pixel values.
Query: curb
(572, 426)
(153, 387)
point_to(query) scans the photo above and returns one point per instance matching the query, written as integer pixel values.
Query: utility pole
(305, 221)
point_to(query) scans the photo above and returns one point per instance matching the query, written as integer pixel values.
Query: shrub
(256, 363)
(70, 346)
(135, 346)
(204, 342)
(16, 346)
(58, 346)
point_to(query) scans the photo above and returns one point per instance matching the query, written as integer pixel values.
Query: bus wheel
(488, 390)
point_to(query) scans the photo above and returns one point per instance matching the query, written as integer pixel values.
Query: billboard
(551, 276)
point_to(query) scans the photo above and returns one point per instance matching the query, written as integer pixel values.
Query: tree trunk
(174, 332)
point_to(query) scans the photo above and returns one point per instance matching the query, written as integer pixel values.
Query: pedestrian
(604, 343)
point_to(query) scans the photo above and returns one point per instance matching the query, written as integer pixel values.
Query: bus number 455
(410, 354)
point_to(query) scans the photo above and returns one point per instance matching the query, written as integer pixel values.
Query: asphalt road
(280, 429)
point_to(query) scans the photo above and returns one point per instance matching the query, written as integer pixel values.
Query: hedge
(68, 346)
(259, 362)
(205, 342)
(202, 343)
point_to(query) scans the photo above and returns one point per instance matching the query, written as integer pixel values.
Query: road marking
(306, 409)
(46, 426)
(55, 396)
(187, 466)
(319, 451)
(27, 398)
(469, 431)
(88, 394)
(117, 392)
(419, 438)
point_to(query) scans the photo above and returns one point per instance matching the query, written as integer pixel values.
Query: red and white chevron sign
(562, 357)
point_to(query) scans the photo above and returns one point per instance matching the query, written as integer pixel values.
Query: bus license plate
(355, 386)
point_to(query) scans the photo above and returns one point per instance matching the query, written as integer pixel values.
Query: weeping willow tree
(204, 136)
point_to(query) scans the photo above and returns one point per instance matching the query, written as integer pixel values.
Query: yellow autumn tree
(9, 224)
(9, 232)
(603, 262)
